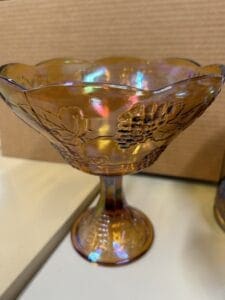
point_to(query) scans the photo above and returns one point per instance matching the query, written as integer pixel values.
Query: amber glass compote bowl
(110, 117)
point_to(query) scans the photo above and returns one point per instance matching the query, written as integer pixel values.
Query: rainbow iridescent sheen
(110, 117)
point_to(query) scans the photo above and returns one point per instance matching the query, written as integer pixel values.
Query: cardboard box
(32, 31)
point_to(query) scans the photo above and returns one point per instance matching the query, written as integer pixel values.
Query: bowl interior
(132, 72)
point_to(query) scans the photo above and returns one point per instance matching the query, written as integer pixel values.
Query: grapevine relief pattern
(69, 129)
(157, 122)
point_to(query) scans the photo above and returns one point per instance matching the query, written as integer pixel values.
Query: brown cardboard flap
(36, 30)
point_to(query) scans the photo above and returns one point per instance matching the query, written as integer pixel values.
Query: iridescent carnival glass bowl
(110, 117)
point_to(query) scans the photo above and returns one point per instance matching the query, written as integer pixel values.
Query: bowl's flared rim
(111, 84)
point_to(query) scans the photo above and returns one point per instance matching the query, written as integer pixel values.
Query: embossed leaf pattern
(112, 116)
(68, 125)
(167, 114)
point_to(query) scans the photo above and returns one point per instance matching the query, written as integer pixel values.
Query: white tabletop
(186, 262)
(38, 201)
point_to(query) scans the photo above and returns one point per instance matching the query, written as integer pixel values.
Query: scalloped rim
(111, 84)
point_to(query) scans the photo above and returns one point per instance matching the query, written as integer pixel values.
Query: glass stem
(111, 193)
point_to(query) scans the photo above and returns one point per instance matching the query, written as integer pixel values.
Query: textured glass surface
(219, 206)
(110, 117)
